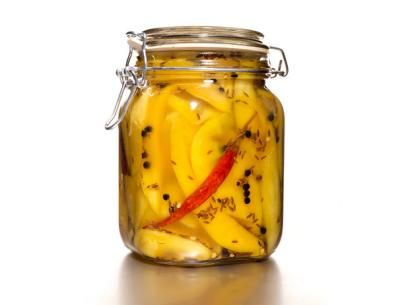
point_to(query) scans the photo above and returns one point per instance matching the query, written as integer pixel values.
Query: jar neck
(206, 64)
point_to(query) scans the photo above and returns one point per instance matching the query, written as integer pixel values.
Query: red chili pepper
(205, 190)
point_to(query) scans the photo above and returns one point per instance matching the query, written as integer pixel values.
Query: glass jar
(200, 147)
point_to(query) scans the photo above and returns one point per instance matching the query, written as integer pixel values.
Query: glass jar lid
(202, 38)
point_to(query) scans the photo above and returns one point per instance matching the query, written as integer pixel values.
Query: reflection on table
(142, 283)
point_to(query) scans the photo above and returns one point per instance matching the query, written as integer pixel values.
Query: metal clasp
(131, 78)
(279, 72)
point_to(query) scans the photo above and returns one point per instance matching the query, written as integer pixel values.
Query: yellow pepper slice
(161, 244)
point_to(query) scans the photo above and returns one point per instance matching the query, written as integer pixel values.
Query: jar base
(198, 264)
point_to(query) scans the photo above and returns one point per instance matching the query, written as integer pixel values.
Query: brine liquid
(171, 138)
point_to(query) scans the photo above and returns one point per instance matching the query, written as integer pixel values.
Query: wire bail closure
(131, 79)
(279, 72)
(134, 78)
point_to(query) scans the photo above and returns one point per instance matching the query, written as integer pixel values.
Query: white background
(344, 234)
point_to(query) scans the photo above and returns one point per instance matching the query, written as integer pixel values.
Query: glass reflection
(245, 284)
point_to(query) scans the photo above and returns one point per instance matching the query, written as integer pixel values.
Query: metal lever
(130, 82)
(279, 71)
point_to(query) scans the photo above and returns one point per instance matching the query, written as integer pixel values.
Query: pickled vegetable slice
(137, 202)
(182, 134)
(245, 105)
(213, 95)
(272, 205)
(157, 174)
(194, 112)
(228, 233)
(209, 142)
(169, 246)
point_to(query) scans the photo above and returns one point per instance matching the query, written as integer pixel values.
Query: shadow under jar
(201, 147)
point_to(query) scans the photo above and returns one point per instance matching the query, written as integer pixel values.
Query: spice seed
(144, 155)
(165, 196)
(248, 133)
(247, 200)
(262, 230)
(247, 172)
(146, 165)
(246, 186)
(148, 128)
(144, 133)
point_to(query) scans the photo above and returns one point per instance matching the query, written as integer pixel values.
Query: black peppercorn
(165, 196)
(225, 252)
(146, 164)
(246, 186)
(144, 133)
(246, 193)
(148, 129)
(248, 133)
(263, 230)
(144, 155)
(247, 172)
(247, 200)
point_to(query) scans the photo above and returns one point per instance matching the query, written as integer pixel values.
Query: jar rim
(204, 38)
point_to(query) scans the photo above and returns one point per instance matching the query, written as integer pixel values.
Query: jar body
(173, 140)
